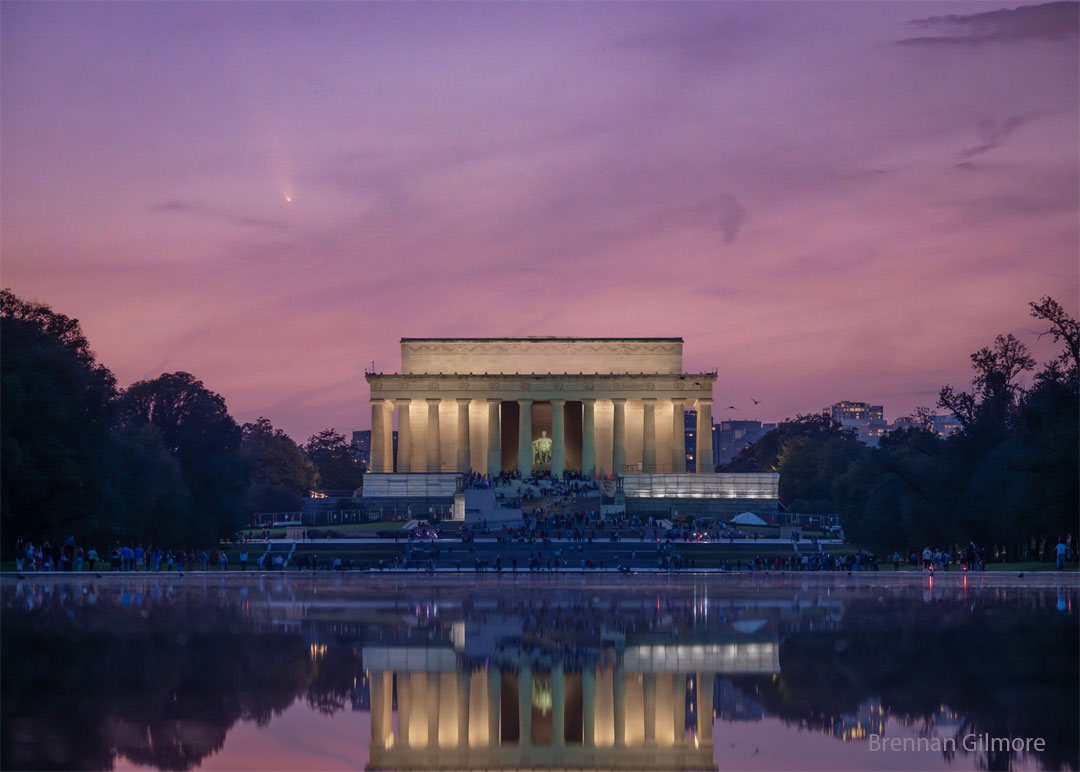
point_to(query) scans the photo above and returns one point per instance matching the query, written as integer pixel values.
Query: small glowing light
(288, 199)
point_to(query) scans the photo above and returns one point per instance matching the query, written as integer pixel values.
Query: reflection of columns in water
(618, 437)
(678, 707)
(448, 716)
(664, 731)
(494, 443)
(558, 706)
(433, 460)
(525, 437)
(525, 707)
(634, 710)
(648, 435)
(404, 436)
(588, 706)
(705, 707)
(558, 438)
(678, 437)
(431, 708)
(619, 689)
(381, 686)
(588, 436)
(604, 728)
(464, 456)
(649, 707)
(479, 705)
(462, 707)
(404, 705)
(419, 730)
(494, 688)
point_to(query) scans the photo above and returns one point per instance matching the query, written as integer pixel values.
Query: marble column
(388, 436)
(558, 437)
(558, 706)
(377, 429)
(525, 437)
(525, 707)
(704, 436)
(494, 676)
(404, 435)
(618, 437)
(678, 437)
(588, 705)
(648, 435)
(433, 458)
(382, 437)
(588, 437)
(464, 457)
(494, 443)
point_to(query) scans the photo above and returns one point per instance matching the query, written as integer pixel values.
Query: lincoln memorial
(601, 406)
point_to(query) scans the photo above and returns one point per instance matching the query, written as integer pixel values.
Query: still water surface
(766, 672)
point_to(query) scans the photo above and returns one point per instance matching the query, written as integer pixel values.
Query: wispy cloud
(1050, 21)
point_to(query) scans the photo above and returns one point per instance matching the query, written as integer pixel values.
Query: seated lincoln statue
(541, 450)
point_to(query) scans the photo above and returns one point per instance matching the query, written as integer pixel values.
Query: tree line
(1008, 480)
(161, 462)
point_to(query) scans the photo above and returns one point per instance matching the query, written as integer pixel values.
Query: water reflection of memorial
(481, 701)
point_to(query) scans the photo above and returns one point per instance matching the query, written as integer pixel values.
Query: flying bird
(755, 401)
(732, 407)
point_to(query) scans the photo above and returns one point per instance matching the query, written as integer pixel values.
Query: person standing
(91, 558)
(243, 560)
(1060, 549)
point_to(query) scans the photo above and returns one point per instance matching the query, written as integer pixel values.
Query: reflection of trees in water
(1006, 670)
(161, 691)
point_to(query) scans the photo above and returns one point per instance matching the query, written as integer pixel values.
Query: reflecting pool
(434, 672)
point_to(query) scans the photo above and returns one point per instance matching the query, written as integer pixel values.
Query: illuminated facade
(608, 406)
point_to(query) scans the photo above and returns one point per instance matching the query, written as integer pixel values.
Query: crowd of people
(71, 556)
(536, 485)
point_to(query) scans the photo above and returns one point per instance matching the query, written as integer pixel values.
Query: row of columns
(382, 454)
(452, 710)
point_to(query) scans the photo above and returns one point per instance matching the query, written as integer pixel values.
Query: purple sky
(825, 200)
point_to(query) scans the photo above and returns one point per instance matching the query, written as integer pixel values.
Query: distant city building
(361, 445)
(866, 419)
(942, 425)
(691, 442)
(732, 436)
(946, 425)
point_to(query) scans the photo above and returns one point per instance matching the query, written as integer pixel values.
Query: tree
(197, 430)
(995, 384)
(1062, 328)
(338, 466)
(56, 411)
(809, 453)
(281, 473)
